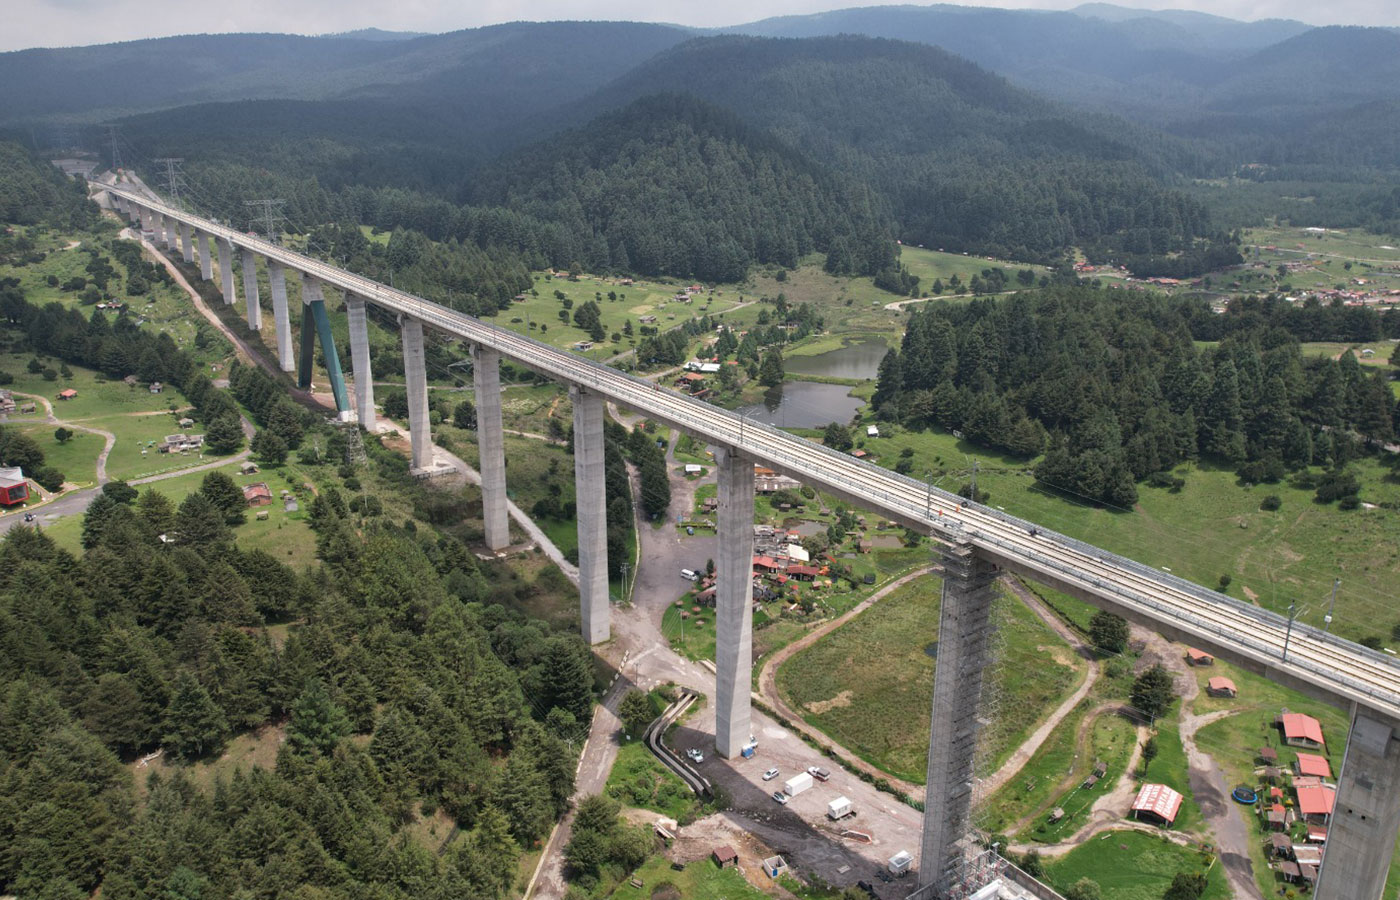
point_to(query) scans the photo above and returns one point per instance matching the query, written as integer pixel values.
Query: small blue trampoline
(1244, 795)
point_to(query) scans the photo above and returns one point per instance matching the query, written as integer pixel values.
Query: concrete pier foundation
(415, 371)
(148, 220)
(169, 230)
(733, 603)
(186, 243)
(964, 629)
(1365, 814)
(250, 290)
(359, 360)
(281, 318)
(230, 291)
(491, 445)
(590, 491)
(206, 255)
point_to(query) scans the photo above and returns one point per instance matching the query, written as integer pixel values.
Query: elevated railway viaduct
(976, 542)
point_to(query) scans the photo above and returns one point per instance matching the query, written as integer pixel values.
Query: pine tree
(194, 725)
(226, 496)
(318, 723)
(770, 372)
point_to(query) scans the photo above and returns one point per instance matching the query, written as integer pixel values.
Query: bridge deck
(1338, 671)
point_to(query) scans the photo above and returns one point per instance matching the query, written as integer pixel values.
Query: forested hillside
(391, 689)
(1115, 392)
(673, 186)
(505, 72)
(964, 160)
(32, 191)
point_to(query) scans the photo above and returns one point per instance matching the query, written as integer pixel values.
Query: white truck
(797, 784)
(839, 809)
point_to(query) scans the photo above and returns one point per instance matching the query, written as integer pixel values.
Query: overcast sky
(66, 23)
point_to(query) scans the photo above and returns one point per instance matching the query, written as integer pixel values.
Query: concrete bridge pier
(186, 243)
(964, 627)
(590, 497)
(277, 283)
(733, 602)
(359, 359)
(206, 255)
(415, 370)
(1366, 814)
(148, 220)
(166, 234)
(250, 290)
(491, 445)
(230, 290)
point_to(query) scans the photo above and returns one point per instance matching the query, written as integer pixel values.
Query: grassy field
(1107, 737)
(287, 536)
(97, 396)
(165, 307)
(1129, 865)
(1212, 527)
(869, 683)
(538, 314)
(1380, 358)
(76, 458)
(700, 880)
(638, 779)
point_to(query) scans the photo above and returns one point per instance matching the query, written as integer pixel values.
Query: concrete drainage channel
(655, 736)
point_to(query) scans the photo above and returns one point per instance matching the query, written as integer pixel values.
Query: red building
(14, 490)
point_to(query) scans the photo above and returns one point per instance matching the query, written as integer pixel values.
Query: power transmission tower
(270, 217)
(112, 140)
(174, 178)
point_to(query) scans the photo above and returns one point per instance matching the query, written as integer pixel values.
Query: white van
(690, 575)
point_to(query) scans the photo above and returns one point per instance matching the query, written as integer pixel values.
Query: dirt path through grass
(1023, 754)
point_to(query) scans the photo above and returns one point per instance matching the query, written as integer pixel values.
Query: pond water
(804, 404)
(858, 360)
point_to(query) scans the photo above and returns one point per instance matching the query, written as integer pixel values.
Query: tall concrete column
(359, 360)
(964, 627)
(250, 290)
(1366, 813)
(491, 445)
(206, 255)
(166, 234)
(277, 283)
(187, 242)
(590, 494)
(148, 222)
(733, 603)
(415, 371)
(226, 273)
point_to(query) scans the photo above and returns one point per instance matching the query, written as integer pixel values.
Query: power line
(174, 178)
(269, 218)
(112, 137)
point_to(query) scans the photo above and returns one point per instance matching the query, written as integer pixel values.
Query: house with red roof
(1301, 730)
(1220, 686)
(1313, 765)
(1199, 657)
(1157, 803)
(1315, 802)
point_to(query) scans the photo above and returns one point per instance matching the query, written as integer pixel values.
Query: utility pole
(174, 178)
(1287, 635)
(1327, 619)
(974, 482)
(270, 217)
(112, 141)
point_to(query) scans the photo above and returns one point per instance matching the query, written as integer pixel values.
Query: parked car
(819, 773)
(780, 797)
(695, 755)
(770, 774)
